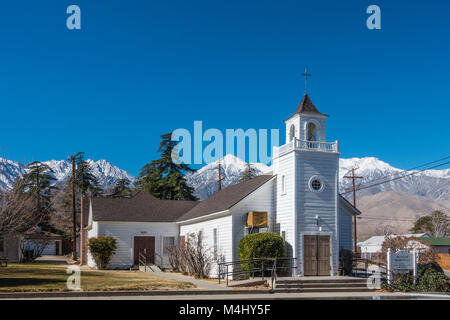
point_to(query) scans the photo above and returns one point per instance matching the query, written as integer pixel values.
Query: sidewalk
(201, 284)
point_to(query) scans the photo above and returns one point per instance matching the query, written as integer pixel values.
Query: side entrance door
(316, 255)
(147, 243)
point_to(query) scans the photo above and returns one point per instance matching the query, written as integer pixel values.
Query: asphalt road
(268, 297)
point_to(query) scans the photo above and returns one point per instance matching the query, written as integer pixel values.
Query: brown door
(316, 255)
(144, 244)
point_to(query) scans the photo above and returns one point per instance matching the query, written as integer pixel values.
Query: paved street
(268, 297)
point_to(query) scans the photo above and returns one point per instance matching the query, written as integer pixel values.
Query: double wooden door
(316, 255)
(144, 244)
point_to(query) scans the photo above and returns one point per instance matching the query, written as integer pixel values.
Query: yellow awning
(257, 219)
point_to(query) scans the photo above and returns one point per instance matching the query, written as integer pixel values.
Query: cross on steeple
(306, 75)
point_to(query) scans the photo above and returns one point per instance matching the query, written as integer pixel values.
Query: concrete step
(321, 285)
(337, 289)
(150, 268)
(325, 280)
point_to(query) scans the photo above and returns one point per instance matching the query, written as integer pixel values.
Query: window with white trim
(215, 242)
(316, 184)
(168, 243)
(283, 184)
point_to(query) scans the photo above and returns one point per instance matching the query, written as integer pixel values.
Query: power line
(388, 219)
(397, 178)
(405, 171)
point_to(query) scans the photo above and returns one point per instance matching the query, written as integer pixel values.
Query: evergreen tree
(165, 178)
(38, 182)
(122, 189)
(86, 183)
(248, 173)
(437, 224)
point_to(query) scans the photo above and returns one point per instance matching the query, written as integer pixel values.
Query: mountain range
(392, 205)
(433, 184)
(106, 173)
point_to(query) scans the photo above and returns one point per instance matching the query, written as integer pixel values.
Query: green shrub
(102, 250)
(260, 245)
(430, 278)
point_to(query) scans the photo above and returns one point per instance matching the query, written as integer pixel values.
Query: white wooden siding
(324, 203)
(223, 225)
(92, 233)
(345, 228)
(124, 232)
(261, 199)
(285, 202)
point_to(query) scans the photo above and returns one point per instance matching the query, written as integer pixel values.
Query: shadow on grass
(18, 282)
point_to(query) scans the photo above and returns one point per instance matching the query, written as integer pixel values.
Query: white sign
(402, 261)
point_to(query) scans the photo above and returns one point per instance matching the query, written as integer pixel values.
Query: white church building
(299, 200)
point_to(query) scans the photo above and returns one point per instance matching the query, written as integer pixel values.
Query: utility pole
(220, 177)
(354, 187)
(74, 207)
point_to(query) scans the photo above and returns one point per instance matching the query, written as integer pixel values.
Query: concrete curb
(69, 294)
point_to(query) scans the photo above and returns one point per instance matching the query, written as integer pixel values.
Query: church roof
(307, 107)
(226, 198)
(143, 207)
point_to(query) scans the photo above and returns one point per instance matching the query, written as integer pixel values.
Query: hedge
(102, 250)
(430, 278)
(260, 245)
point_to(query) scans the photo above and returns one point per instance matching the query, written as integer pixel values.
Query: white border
(321, 182)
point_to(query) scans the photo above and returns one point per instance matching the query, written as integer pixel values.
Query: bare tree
(426, 253)
(32, 248)
(17, 214)
(440, 224)
(198, 258)
(384, 230)
(193, 258)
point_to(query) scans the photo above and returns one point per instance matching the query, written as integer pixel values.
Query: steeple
(307, 107)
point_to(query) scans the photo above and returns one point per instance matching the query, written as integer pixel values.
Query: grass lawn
(211, 280)
(40, 276)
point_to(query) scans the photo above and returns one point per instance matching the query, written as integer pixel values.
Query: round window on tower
(315, 184)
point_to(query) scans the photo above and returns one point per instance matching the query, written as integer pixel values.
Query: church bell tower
(307, 169)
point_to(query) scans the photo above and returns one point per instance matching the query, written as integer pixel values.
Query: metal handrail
(223, 268)
(143, 261)
(161, 261)
(368, 262)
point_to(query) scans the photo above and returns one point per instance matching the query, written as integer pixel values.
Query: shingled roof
(307, 107)
(143, 207)
(226, 198)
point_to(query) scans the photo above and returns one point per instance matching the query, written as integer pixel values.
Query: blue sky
(138, 69)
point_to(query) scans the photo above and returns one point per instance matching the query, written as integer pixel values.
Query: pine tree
(38, 182)
(122, 189)
(165, 178)
(85, 182)
(248, 173)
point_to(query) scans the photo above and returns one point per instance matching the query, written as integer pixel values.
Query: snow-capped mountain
(433, 184)
(204, 180)
(9, 170)
(106, 173)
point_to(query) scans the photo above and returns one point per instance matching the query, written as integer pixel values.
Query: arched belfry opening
(311, 132)
(292, 133)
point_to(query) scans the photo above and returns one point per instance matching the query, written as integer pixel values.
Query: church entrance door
(316, 255)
